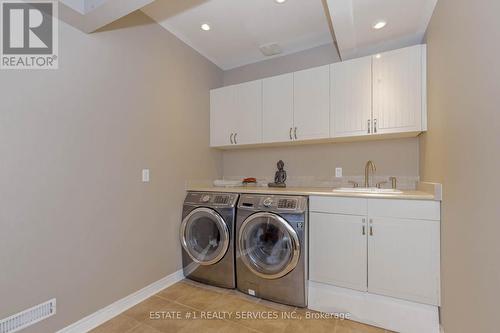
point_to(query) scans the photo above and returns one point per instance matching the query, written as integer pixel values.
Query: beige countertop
(316, 191)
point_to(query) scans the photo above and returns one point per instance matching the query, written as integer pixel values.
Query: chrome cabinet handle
(231, 138)
(235, 142)
(369, 126)
(371, 227)
(295, 133)
(374, 125)
(291, 134)
(364, 227)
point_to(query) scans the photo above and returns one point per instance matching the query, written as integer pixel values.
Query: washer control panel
(272, 202)
(212, 199)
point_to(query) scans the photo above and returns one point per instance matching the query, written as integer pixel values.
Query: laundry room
(249, 166)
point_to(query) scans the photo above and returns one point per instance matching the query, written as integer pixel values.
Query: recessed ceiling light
(379, 25)
(280, 1)
(378, 56)
(205, 27)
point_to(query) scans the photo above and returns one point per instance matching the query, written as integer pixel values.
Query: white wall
(315, 164)
(317, 56)
(76, 221)
(462, 151)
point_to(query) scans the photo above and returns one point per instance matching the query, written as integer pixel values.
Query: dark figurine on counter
(280, 176)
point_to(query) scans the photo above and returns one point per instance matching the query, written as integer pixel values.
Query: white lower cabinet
(345, 236)
(403, 259)
(392, 253)
(378, 259)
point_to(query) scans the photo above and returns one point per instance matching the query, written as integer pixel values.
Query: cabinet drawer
(336, 205)
(406, 209)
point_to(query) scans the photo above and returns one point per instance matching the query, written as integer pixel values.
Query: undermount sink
(374, 190)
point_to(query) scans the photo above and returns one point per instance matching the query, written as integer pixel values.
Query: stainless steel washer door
(204, 236)
(268, 245)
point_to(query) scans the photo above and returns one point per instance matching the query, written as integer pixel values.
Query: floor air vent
(28, 317)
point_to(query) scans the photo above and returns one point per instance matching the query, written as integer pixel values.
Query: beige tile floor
(184, 307)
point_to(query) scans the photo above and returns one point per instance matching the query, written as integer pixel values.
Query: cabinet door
(337, 250)
(248, 113)
(222, 110)
(277, 104)
(398, 91)
(351, 97)
(311, 95)
(403, 259)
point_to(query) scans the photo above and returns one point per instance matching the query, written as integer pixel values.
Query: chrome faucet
(369, 168)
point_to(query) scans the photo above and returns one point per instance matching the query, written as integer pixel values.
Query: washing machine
(271, 247)
(207, 238)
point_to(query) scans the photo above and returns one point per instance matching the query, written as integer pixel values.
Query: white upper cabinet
(222, 108)
(399, 90)
(351, 97)
(248, 113)
(236, 114)
(277, 104)
(311, 96)
(382, 94)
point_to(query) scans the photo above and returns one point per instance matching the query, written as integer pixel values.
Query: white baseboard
(101, 316)
(381, 311)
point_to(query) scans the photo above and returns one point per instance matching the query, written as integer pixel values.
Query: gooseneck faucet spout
(369, 169)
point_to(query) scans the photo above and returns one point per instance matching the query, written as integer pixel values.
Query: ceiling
(353, 20)
(83, 6)
(93, 4)
(90, 15)
(78, 5)
(239, 27)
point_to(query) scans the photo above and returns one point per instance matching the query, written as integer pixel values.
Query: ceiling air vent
(270, 49)
(28, 317)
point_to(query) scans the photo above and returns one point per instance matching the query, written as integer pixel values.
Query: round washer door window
(204, 236)
(268, 245)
